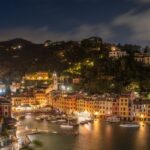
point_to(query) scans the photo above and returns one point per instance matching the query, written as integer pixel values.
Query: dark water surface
(97, 136)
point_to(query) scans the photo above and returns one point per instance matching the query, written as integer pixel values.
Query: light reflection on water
(97, 136)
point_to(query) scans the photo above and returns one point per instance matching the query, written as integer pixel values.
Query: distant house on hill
(142, 58)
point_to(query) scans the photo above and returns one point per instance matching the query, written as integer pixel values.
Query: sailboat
(66, 125)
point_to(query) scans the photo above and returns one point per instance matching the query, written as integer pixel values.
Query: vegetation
(87, 60)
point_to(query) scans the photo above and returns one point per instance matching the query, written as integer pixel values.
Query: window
(6, 113)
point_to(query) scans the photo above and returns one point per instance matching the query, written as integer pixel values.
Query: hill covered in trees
(88, 60)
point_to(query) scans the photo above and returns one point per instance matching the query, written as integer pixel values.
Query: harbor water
(98, 135)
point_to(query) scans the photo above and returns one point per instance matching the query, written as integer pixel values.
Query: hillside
(87, 59)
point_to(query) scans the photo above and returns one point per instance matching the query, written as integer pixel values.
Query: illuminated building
(38, 98)
(76, 80)
(2, 89)
(65, 103)
(14, 87)
(104, 106)
(23, 100)
(141, 109)
(37, 76)
(41, 98)
(55, 81)
(124, 110)
(117, 53)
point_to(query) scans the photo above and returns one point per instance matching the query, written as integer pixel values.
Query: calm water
(97, 136)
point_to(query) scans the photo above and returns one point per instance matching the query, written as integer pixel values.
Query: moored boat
(53, 121)
(61, 120)
(83, 122)
(130, 125)
(67, 126)
(113, 119)
(37, 118)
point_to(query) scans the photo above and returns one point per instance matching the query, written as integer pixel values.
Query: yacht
(130, 125)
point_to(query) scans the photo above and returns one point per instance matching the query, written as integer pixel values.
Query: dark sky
(39, 20)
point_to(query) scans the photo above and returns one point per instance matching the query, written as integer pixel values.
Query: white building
(117, 53)
(142, 58)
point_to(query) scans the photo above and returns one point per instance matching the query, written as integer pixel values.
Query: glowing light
(108, 113)
(69, 88)
(88, 127)
(96, 113)
(113, 48)
(63, 87)
(19, 46)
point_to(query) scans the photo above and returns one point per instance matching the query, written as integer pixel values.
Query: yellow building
(23, 100)
(124, 110)
(41, 98)
(103, 106)
(37, 76)
(81, 105)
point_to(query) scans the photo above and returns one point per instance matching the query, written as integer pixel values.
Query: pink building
(5, 108)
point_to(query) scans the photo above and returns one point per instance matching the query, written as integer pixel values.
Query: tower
(55, 81)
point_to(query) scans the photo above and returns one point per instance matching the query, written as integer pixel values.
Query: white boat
(67, 126)
(61, 120)
(37, 118)
(113, 119)
(54, 132)
(53, 121)
(130, 125)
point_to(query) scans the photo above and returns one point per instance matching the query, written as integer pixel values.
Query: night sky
(124, 21)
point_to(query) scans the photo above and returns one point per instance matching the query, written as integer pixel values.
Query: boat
(49, 118)
(43, 117)
(61, 120)
(74, 124)
(83, 122)
(113, 119)
(54, 132)
(67, 126)
(53, 121)
(37, 118)
(130, 125)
